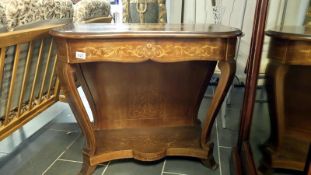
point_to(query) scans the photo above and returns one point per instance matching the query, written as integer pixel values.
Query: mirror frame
(242, 160)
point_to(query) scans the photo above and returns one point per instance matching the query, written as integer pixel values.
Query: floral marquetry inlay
(306, 52)
(151, 50)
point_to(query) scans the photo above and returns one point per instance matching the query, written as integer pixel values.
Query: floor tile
(203, 109)
(3, 156)
(227, 137)
(74, 152)
(9, 144)
(70, 168)
(202, 114)
(236, 98)
(260, 130)
(34, 155)
(191, 166)
(225, 159)
(232, 119)
(65, 122)
(188, 166)
(133, 167)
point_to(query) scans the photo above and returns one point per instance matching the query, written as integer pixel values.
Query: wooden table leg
(66, 74)
(227, 69)
(287, 145)
(276, 74)
(87, 168)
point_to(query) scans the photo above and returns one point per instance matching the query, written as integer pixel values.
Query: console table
(144, 84)
(288, 86)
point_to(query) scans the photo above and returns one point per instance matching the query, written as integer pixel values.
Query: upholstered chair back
(88, 9)
(144, 11)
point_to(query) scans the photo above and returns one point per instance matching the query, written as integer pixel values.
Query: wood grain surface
(144, 84)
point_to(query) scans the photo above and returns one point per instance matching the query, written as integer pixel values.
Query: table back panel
(146, 94)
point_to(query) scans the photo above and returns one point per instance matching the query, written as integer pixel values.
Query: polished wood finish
(297, 33)
(47, 64)
(102, 19)
(25, 110)
(52, 74)
(2, 57)
(251, 87)
(12, 85)
(144, 84)
(24, 83)
(34, 83)
(253, 70)
(235, 162)
(307, 169)
(122, 31)
(247, 160)
(290, 48)
(288, 86)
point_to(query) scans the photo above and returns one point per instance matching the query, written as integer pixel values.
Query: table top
(291, 32)
(104, 30)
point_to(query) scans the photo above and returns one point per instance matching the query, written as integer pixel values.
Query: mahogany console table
(144, 84)
(289, 93)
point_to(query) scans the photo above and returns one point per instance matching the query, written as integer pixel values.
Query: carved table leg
(275, 88)
(284, 150)
(210, 161)
(276, 74)
(66, 76)
(227, 69)
(87, 168)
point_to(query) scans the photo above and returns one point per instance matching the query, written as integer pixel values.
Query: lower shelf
(148, 144)
(292, 154)
(298, 126)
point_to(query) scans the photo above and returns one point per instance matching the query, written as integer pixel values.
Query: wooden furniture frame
(242, 158)
(103, 19)
(243, 162)
(307, 169)
(17, 116)
(288, 84)
(144, 84)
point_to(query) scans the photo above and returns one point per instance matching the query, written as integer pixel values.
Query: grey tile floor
(56, 150)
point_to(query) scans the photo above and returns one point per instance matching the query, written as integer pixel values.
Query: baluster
(2, 57)
(36, 74)
(56, 87)
(52, 75)
(45, 70)
(25, 77)
(12, 84)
